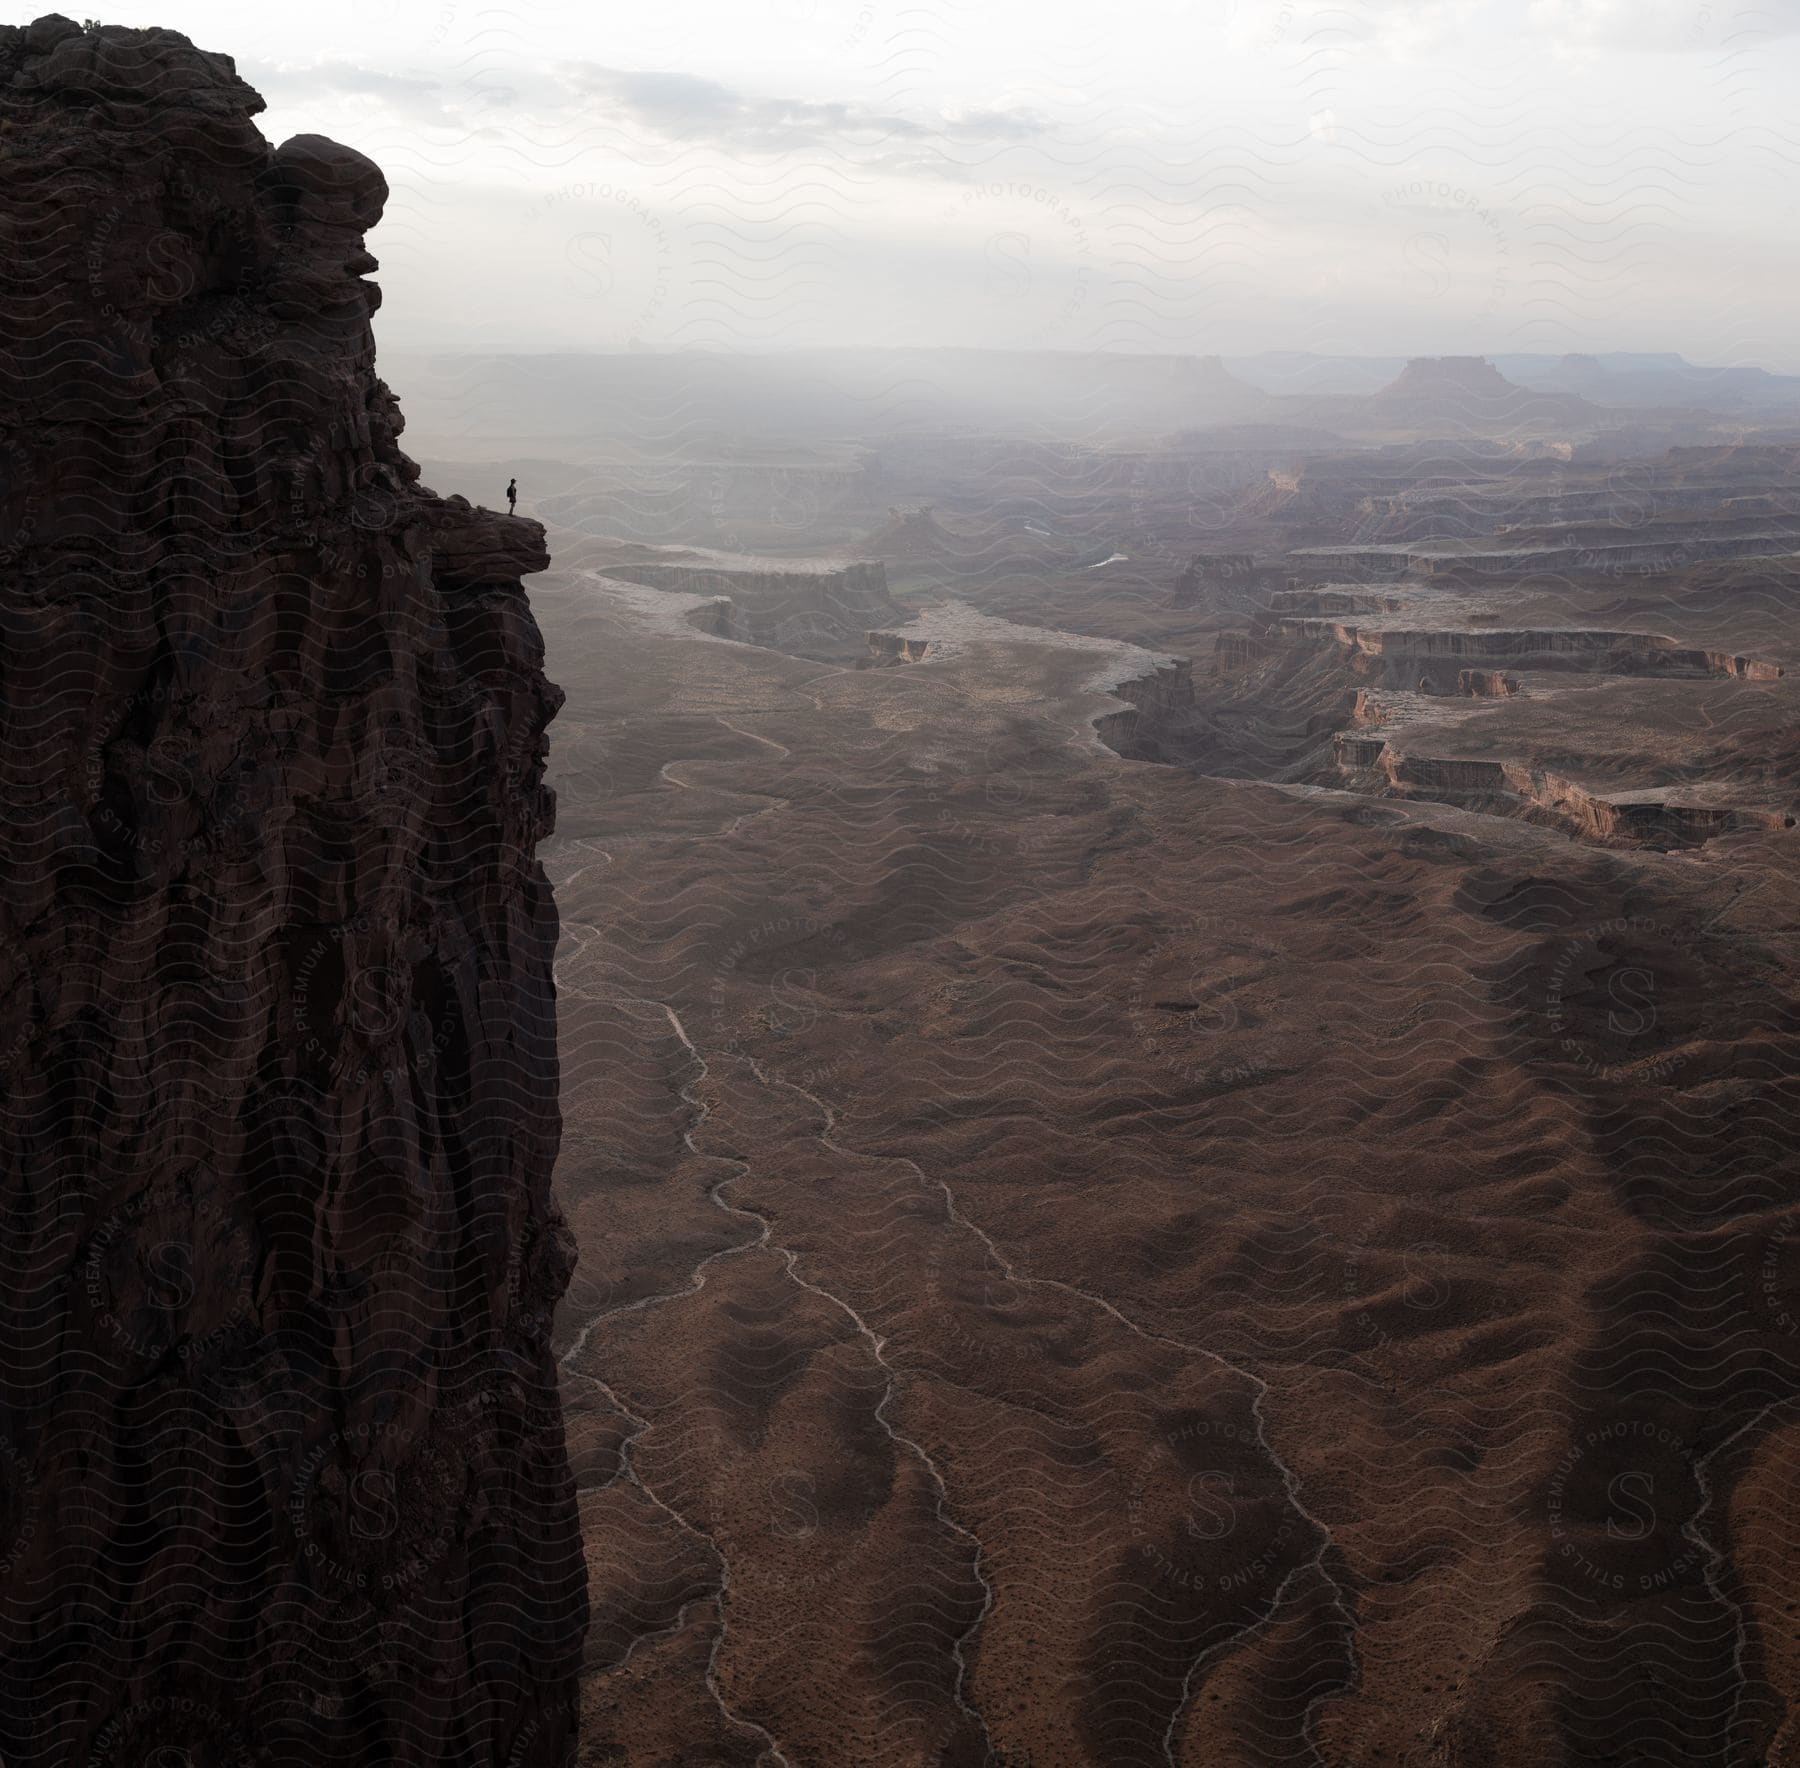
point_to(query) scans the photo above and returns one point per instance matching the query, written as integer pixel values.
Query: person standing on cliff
(512, 496)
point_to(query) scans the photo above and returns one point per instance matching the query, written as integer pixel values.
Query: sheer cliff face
(282, 1473)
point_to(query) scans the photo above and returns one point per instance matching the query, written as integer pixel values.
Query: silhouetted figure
(512, 496)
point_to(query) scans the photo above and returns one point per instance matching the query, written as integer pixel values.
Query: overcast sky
(1225, 176)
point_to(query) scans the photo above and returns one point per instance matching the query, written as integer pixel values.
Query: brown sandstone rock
(282, 1475)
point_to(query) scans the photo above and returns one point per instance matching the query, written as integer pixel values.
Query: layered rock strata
(1612, 653)
(282, 1475)
(804, 607)
(1648, 818)
(1159, 704)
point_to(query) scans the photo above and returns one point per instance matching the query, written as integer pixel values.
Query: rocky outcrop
(1331, 598)
(1485, 684)
(1504, 787)
(1589, 649)
(1439, 679)
(1242, 653)
(1743, 668)
(1225, 581)
(1468, 394)
(1336, 487)
(893, 647)
(1486, 511)
(1353, 751)
(912, 534)
(798, 606)
(716, 617)
(1564, 551)
(283, 1476)
(1153, 723)
(1352, 560)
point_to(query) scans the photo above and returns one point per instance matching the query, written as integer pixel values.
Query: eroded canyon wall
(282, 1475)
(807, 611)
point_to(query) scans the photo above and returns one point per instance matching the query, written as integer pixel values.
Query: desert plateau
(933, 1039)
(1182, 1143)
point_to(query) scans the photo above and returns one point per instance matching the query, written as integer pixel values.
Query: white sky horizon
(1471, 177)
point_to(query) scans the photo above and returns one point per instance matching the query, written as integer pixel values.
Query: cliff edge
(282, 1475)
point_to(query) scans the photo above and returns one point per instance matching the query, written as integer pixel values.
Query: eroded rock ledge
(282, 1476)
(818, 608)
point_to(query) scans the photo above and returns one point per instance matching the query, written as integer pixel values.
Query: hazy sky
(1189, 175)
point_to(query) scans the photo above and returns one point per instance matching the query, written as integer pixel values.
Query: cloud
(410, 95)
(1409, 30)
(679, 107)
(1667, 26)
(671, 108)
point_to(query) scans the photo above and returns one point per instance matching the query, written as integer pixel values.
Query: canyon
(1190, 1157)
(1112, 1082)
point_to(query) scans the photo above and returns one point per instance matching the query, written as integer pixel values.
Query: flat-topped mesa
(817, 608)
(1470, 385)
(284, 1475)
(1434, 376)
(1471, 396)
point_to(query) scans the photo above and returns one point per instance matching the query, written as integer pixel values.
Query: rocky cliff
(1153, 724)
(1226, 581)
(282, 1475)
(1646, 818)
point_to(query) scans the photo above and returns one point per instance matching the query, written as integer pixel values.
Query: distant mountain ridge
(1625, 378)
(705, 401)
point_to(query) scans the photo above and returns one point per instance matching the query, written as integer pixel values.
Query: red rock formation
(891, 647)
(283, 1466)
(1485, 684)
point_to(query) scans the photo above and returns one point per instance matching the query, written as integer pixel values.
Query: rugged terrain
(282, 1470)
(1194, 1162)
(1175, 1033)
